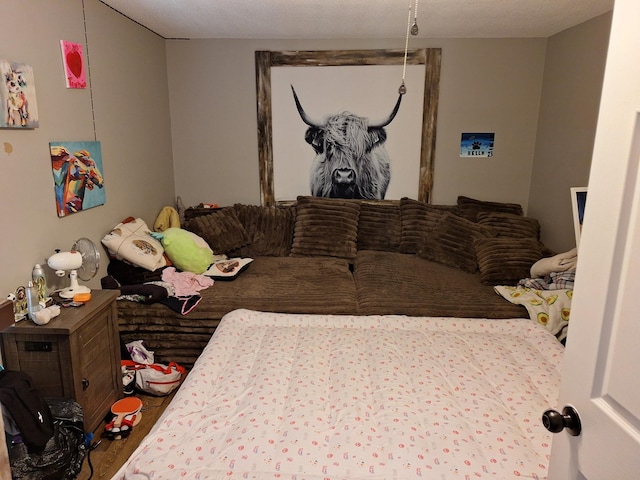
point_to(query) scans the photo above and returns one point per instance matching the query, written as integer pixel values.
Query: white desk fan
(82, 260)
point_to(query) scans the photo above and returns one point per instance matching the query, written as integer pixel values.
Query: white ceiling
(357, 18)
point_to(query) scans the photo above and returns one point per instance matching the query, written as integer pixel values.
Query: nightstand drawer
(38, 355)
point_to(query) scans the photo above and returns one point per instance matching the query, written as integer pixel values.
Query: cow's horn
(390, 118)
(301, 111)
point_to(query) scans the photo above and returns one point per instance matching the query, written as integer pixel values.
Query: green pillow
(186, 250)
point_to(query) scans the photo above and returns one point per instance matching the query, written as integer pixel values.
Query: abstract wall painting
(17, 96)
(74, 71)
(77, 175)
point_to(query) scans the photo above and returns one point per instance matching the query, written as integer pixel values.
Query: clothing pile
(177, 290)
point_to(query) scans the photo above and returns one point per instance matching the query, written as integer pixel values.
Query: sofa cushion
(504, 261)
(379, 226)
(270, 230)
(418, 221)
(325, 227)
(510, 225)
(221, 230)
(394, 283)
(470, 207)
(452, 242)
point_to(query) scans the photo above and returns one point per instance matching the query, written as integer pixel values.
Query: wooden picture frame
(265, 60)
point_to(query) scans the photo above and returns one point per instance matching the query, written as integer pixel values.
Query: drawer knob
(85, 384)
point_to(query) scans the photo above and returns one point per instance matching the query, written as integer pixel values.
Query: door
(601, 373)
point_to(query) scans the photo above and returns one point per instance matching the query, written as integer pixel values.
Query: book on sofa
(228, 269)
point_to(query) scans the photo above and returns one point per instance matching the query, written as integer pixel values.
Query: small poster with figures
(477, 144)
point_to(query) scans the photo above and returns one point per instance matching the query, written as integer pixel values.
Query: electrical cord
(92, 447)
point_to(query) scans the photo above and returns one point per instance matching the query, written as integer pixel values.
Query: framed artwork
(578, 204)
(73, 62)
(333, 124)
(18, 96)
(77, 175)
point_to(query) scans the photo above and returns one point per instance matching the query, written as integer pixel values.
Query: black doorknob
(555, 421)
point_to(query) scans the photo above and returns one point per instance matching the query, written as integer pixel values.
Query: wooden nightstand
(76, 355)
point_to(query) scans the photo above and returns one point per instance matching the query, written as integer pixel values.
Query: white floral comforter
(348, 397)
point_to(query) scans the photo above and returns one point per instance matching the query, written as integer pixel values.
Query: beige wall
(491, 85)
(573, 74)
(487, 85)
(206, 150)
(131, 108)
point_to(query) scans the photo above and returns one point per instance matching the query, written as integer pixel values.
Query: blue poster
(477, 145)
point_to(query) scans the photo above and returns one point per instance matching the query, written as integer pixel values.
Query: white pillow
(131, 241)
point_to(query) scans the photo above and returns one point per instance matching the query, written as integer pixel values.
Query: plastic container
(33, 305)
(40, 282)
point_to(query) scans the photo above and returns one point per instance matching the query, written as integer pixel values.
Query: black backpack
(28, 409)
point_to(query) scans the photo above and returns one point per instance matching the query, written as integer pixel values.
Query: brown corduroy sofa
(331, 256)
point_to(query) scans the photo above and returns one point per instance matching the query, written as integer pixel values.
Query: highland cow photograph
(346, 132)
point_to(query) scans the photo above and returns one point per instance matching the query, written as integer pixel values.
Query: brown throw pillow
(452, 242)
(325, 227)
(379, 227)
(418, 221)
(470, 207)
(505, 261)
(221, 230)
(270, 230)
(510, 225)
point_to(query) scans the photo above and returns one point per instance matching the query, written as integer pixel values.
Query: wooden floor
(110, 455)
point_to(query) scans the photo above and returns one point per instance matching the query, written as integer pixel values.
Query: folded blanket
(550, 308)
(561, 262)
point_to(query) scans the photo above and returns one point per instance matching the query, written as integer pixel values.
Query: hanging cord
(403, 89)
(414, 27)
(86, 44)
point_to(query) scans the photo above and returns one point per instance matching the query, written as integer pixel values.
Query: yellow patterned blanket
(550, 308)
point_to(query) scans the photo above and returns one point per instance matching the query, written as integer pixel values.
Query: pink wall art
(74, 71)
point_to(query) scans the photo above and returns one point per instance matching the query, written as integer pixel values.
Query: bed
(359, 397)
